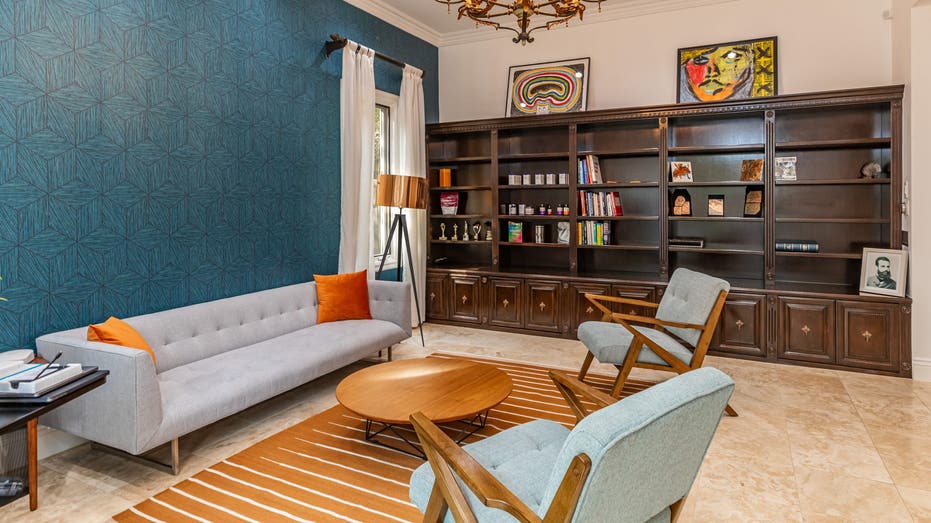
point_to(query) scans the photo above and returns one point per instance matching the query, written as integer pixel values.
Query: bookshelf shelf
(631, 217)
(530, 187)
(836, 181)
(619, 185)
(826, 255)
(531, 244)
(717, 149)
(847, 143)
(619, 153)
(714, 219)
(621, 247)
(454, 216)
(719, 183)
(535, 217)
(463, 188)
(460, 160)
(879, 221)
(522, 157)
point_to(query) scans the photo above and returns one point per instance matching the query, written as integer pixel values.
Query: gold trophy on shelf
(443, 232)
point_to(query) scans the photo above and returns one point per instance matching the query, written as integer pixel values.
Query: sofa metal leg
(174, 467)
(389, 353)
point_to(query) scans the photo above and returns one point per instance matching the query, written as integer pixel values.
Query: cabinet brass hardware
(464, 299)
(806, 330)
(633, 312)
(432, 296)
(542, 306)
(505, 303)
(739, 324)
(866, 335)
(589, 310)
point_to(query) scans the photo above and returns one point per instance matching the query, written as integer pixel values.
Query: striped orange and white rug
(322, 469)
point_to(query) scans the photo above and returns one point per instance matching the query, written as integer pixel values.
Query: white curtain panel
(412, 161)
(357, 158)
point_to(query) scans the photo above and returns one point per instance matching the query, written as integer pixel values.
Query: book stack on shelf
(797, 246)
(594, 233)
(597, 203)
(590, 170)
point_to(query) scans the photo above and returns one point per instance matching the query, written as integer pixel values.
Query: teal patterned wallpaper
(158, 153)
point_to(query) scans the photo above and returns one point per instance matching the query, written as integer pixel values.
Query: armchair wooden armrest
(654, 321)
(594, 298)
(574, 391)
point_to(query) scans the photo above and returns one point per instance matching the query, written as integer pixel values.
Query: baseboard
(921, 369)
(52, 441)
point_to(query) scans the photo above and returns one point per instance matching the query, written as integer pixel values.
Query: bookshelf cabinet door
(741, 329)
(866, 335)
(466, 298)
(542, 306)
(437, 296)
(505, 302)
(582, 309)
(635, 292)
(806, 329)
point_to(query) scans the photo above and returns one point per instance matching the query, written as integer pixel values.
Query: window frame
(390, 101)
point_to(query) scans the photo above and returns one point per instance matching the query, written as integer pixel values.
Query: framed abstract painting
(548, 88)
(728, 71)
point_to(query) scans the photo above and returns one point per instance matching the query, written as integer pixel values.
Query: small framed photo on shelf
(715, 205)
(785, 168)
(751, 170)
(680, 203)
(753, 203)
(883, 271)
(681, 171)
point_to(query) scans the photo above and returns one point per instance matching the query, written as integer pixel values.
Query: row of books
(597, 203)
(797, 246)
(594, 233)
(590, 169)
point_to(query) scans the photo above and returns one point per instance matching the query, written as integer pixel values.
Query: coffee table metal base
(465, 428)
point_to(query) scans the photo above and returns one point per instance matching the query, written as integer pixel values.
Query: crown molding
(381, 10)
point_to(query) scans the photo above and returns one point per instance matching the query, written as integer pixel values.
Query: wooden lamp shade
(407, 192)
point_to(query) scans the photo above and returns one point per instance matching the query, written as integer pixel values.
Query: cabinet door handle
(589, 310)
(806, 329)
(739, 324)
(542, 306)
(505, 303)
(866, 335)
(464, 299)
(633, 312)
(432, 296)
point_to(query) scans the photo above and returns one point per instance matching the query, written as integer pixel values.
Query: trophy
(443, 232)
(455, 232)
(488, 231)
(476, 230)
(465, 231)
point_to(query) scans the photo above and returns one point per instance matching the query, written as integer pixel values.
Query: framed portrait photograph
(883, 271)
(548, 88)
(727, 71)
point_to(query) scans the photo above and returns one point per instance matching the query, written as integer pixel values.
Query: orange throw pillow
(342, 297)
(117, 332)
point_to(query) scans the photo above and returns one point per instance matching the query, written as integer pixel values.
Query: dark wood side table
(16, 415)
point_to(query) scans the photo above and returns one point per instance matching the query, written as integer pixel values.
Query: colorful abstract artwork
(547, 88)
(730, 71)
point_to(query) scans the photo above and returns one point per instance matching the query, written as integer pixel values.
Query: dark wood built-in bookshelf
(794, 307)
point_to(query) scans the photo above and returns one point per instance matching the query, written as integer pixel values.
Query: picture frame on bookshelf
(727, 71)
(680, 203)
(681, 172)
(786, 168)
(548, 87)
(751, 170)
(715, 205)
(753, 203)
(883, 271)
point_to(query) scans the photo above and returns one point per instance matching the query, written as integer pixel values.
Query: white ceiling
(429, 20)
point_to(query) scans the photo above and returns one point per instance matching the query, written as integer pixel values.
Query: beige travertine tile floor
(809, 444)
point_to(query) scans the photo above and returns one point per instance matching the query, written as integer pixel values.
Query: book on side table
(32, 380)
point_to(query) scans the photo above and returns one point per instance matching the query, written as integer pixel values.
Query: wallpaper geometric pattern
(157, 153)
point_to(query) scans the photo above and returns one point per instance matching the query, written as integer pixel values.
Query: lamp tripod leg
(394, 225)
(410, 264)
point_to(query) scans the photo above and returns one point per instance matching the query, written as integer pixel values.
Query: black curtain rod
(337, 42)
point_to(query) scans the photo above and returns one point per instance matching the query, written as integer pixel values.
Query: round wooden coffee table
(445, 390)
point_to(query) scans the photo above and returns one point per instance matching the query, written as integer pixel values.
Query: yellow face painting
(717, 73)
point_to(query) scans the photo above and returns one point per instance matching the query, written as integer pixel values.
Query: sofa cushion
(342, 297)
(609, 342)
(521, 457)
(207, 390)
(117, 332)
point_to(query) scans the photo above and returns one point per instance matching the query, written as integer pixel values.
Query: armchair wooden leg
(585, 365)
(730, 411)
(676, 509)
(628, 366)
(436, 507)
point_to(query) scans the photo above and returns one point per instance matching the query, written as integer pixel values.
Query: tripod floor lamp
(403, 192)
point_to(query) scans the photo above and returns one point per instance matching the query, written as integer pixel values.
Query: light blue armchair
(633, 460)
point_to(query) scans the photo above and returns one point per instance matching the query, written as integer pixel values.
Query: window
(386, 106)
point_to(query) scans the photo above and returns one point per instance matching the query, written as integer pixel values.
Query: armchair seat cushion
(609, 342)
(521, 458)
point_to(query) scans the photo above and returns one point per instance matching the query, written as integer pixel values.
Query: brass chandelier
(485, 11)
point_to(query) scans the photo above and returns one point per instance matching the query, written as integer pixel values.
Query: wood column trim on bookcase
(769, 196)
(574, 198)
(663, 197)
(495, 195)
(895, 174)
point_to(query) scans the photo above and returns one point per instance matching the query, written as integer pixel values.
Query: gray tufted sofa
(215, 359)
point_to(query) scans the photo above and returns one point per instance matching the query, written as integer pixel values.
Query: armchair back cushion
(689, 298)
(645, 449)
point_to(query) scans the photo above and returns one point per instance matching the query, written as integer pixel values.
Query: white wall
(920, 237)
(823, 44)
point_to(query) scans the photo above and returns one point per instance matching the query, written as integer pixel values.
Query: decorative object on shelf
(550, 178)
(545, 88)
(680, 203)
(563, 178)
(539, 179)
(449, 202)
(455, 232)
(562, 233)
(751, 170)
(539, 234)
(681, 171)
(728, 71)
(443, 232)
(753, 203)
(716, 205)
(871, 170)
(687, 241)
(403, 192)
(487, 12)
(785, 168)
(797, 246)
(526, 179)
(465, 231)
(515, 232)
(883, 271)
(446, 177)
(488, 236)
(476, 231)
